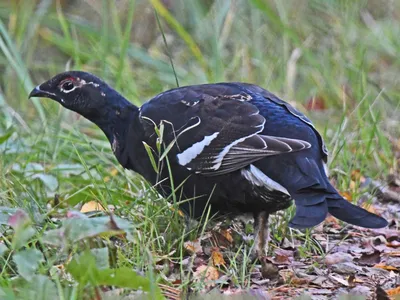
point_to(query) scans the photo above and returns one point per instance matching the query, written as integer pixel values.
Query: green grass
(344, 52)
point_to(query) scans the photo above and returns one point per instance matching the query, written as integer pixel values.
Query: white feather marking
(265, 143)
(193, 151)
(222, 154)
(258, 178)
(326, 169)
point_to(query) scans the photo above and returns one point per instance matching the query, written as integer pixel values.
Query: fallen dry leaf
(207, 273)
(222, 238)
(217, 258)
(393, 244)
(193, 247)
(370, 259)
(281, 259)
(383, 266)
(394, 292)
(170, 292)
(346, 195)
(369, 207)
(339, 279)
(356, 175)
(268, 269)
(91, 206)
(338, 257)
(226, 233)
(352, 279)
(299, 281)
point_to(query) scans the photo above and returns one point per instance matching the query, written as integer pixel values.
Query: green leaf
(21, 236)
(79, 227)
(3, 249)
(69, 169)
(49, 180)
(85, 271)
(27, 262)
(149, 151)
(6, 136)
(101, 257)
(5, 214)
(39, 287)
(23, 231)
(7, 294)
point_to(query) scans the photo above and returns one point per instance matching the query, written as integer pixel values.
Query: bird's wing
(217, 131)
(266, 94)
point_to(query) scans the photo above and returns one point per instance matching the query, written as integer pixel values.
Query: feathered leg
(261, 231)
(261, 234)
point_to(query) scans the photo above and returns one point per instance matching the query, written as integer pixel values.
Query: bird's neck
(119, 120)
(117, 123)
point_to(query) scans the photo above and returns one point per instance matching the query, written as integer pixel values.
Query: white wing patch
(326, 169)
(221, 155)
(258, 178)
(191, 153)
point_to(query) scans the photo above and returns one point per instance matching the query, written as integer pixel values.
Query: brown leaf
(170, 292)
(286, 275)
(269, 270)
(356, 176)
(338, 257)
(193, 247)
(299, 281)
(346, 195)
(383, 266)
(351, 280)
(370, 259)
(222, 238)
(346, 268)
(281, 259)
(207, 273)
(393, 244)
(91, 206)
(394, 254)
(217, 258)
(393, 292)
(390, 234)
(226, 233)
(339, 279)
(331, 220)
(369, 207)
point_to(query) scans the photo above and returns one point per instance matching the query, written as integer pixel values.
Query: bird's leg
(261, 232)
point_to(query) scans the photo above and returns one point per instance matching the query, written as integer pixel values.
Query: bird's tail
(350, 213)
(311, 215)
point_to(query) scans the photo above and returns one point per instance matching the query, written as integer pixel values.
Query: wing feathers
(255, 148)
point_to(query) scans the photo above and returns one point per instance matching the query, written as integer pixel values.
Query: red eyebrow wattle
(68, 79)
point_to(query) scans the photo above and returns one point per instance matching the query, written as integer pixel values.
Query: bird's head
(83, 93)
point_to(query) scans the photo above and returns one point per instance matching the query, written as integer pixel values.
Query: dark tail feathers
(350, 213)
(312, 215)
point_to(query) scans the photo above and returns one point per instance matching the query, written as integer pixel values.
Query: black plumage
(235, 146)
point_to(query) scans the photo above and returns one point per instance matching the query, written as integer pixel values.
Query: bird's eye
(67, 86)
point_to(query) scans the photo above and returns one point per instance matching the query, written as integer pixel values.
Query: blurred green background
(336, 60)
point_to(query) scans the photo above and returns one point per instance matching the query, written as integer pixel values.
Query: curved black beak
(37, 92)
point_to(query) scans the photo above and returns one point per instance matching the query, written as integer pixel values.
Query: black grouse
(232, 147)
